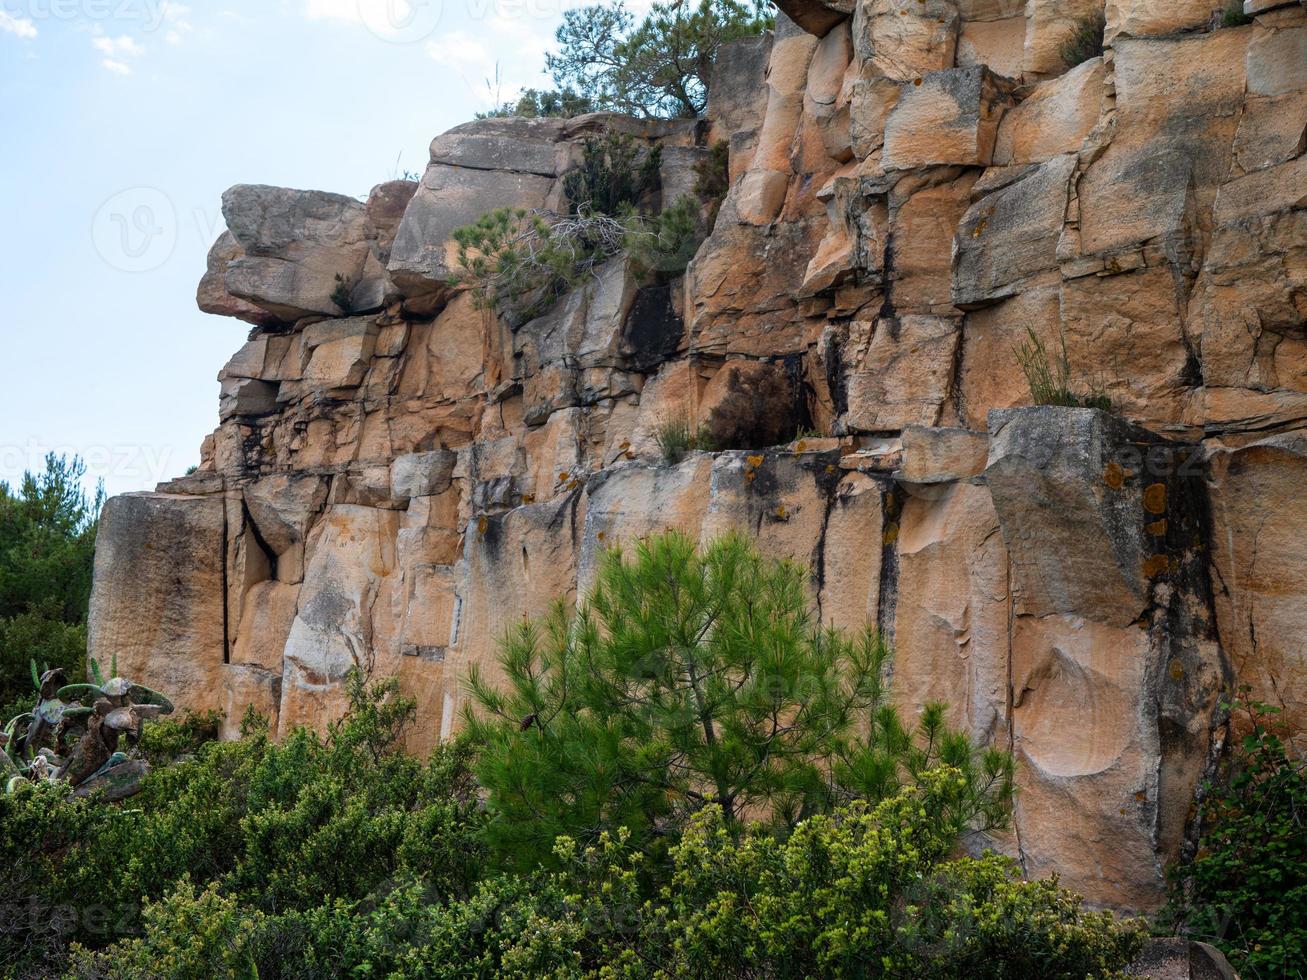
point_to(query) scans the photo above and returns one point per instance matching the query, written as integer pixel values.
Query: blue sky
(124, 121)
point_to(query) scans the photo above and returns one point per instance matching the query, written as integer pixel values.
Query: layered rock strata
(915, 187)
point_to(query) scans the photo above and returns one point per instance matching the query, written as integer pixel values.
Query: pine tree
(690, 678)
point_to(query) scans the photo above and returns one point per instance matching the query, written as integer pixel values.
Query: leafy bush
(660, 66)
(1049, 377)
(1086, 41)
(690, 680)
(712, 180)
(1246, 888)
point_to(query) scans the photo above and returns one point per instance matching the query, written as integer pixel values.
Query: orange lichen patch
(1155, 498)
(830, 468)
(528, 498)
(1156, 565)
(1175, 669)
(1114, 475)
(891, 533)
(1141, 796)
(754, 461)
(891, 505)
(782, 514)
(750, 476)
(800, 446)
(562, 477)
(483, 524)
(601, 535)
(1157, 528)
(979, 230)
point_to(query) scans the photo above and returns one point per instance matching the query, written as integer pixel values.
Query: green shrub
(690, 679)
(274, 828)
(1246, 888)
(1086, 41)
(1049, 376)
(1233, 15)
(616, 175)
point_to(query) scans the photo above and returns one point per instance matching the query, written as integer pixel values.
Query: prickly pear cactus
(63, 740)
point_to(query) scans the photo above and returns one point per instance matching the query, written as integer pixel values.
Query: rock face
(915, 188)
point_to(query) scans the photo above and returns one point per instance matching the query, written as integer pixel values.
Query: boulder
(952, 610)
(946, 117)
(474, 169)
(385, 210)
(941, 455)
(737, 97)
(422, 474)
(1054, 118)
(212, 295)
(1178, 103)
(339, 624)
(1075, 496)
(1149, 18)
(1009, 238)
(158, 595)
(1050, 24)
(1258, 567)
(305, 252)
(900, 371)
(817, 16)
(1176, 958)
(906, 39)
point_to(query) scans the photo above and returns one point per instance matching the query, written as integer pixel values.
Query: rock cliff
(913, 185)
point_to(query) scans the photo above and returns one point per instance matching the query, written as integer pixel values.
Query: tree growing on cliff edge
(691, 679)
(660, 66)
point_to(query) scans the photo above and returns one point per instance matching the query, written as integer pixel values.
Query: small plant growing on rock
(341, 294)
(1049, 376)
(616, 174)
(1086, 41)
(677, 438)
(521, 260)
(712, 180)
(1233, 15)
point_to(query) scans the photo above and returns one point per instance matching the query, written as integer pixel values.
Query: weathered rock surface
(915, 188)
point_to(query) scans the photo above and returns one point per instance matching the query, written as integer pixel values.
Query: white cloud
(355, 11)
(117, 67)
(118, 47)
(175, 16)
(494, 73)
(20, 26)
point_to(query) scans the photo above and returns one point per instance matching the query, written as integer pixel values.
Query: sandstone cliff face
(913, 185)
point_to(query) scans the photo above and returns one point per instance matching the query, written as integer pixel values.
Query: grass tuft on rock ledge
(1049, 376)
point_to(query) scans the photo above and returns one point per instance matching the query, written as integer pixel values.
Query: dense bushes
(809, 835)
(47, 545)
(1246, 889)
(865, 892)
